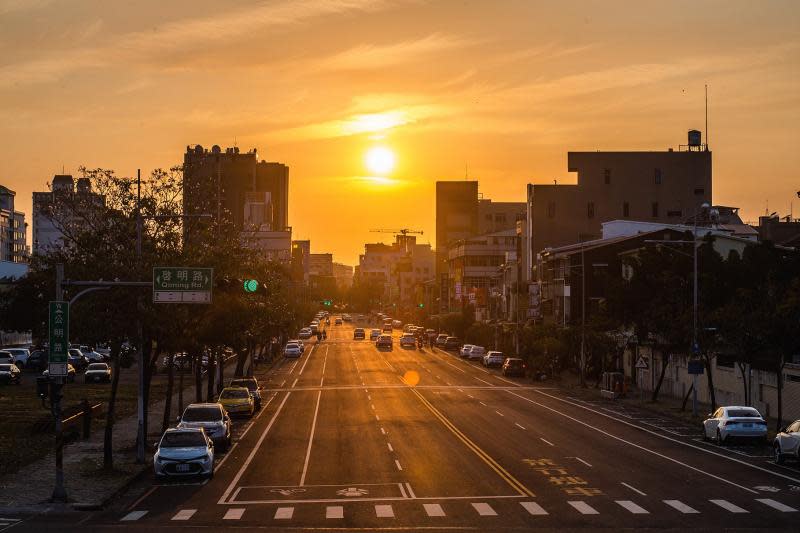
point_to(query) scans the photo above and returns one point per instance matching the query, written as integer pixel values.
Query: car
(76, 358)
(408, 339)
(212, 418)
(476, 352)
(451, 343)
(38, 360)
(493, 358)
(440, 339)
(384, 341)
(347, 318)
(292, 350)
(251, 384)
(787, 443)
(314, 329)
(97, 372)
(300, 344)
(20, 355)
(94, 357)
(735, 422)
(6, 357)
(9, 373)
(70, 373)
(464, 351)
(387, 328)
(237, 401)
(374, 334)
(338, 322)
(358, 334)
(514, 366)
(184, 452)
(305, 333)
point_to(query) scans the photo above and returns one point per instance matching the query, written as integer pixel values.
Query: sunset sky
(503, 89)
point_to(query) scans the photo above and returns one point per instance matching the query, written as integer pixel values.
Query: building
(499, 216)
(62, 210)
(274, 178)
(456, 216)
(13, 229)
(274, 245)
(320, 265)
(343, 275)
(301, 261)
(781, 231)
(666, 187)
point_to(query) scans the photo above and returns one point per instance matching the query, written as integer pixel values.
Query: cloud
(13, 6)
(370, 56)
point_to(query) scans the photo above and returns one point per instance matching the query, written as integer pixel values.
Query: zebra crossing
(484, 509)
(6, 523)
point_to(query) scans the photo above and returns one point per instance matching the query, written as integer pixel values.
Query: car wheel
(779, 459)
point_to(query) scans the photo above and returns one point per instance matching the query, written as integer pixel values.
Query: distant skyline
(499, 91)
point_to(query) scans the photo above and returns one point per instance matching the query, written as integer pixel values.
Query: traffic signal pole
(59, 493)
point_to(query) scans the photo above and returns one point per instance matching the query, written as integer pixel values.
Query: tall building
(664, 186)
(499, 216)
(13, 229)
(320, 264)
(274, 179)
(62, 209)
(343, 275)
(301, 261)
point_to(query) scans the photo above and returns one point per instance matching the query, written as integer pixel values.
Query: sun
(379, 160)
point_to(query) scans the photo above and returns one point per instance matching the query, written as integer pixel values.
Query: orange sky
(502, 88)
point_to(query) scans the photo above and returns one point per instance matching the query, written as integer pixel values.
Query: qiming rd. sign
(182, 285)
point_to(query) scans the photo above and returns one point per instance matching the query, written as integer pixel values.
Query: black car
(358, 334)
(452, 343)
(38, 361)
(514, 366)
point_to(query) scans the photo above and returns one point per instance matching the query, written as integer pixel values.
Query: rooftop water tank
(695, 138)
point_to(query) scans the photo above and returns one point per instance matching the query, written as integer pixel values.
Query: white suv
(20, 355)
(493, 359)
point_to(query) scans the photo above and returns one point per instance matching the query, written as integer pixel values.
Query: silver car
(732, 422)
(787, 443)
(493, 358)
(184, 452)
(212, 418)
(292, 350)
(97, 372)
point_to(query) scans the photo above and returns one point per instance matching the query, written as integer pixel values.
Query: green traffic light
(421, 306)
(250, 285)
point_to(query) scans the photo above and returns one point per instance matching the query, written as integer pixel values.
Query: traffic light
(250, 285)
(327, 303)
(420, 305)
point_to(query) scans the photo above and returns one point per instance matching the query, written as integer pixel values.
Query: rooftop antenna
(466, 171)
(706, 86)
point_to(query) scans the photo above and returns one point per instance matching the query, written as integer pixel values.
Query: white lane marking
(583, 507)
(369, 397)
(255, 450)
(509, 381)
(632, 507)
(324, 363)
(372, 406)
(519, 426)
(479, 379)
(777, 505)
(234, 514)
(133, 515)
(634, 489)
(410, 490)
(597, 429)
(383, 431)
(682, 507)
(334, 511)
(499, 413)
(377, 418)
(533, 508)
(546, 441)
(184, 514)
(484, 509)
(657, 434)
(483, 404)
(471, 396)
(384, 511)
(433, 509)
(282, 383)
(389, 444)
(295, 382)
(245, 432)
(728, 506)
(284, 513)
(306, 361)
(584, 462)
(460, 390)
(403, 490)
(397, 464)
(295, 363)
(310, 440)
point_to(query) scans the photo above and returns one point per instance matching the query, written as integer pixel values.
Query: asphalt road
(355, 438)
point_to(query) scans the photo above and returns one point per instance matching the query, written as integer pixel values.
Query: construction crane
(401, 231)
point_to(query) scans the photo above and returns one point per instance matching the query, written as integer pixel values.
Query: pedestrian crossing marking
(583, 507)
(632, 507)
(484, 509)
(433, 509)
(284, 513)
(384, 511)
(728, 506)
(334, 511)
(680, 506)
(133, 515)
(233, 514)
(184, 514)
(533, 508)
(777, 505)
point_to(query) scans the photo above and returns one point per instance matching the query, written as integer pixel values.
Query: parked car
(305, 333)
(94, 357)
(76, 358)
(476, 352)
(514, 366)
(20, 355)
(6, 357)
(735, 422)
(292, 350)
(358, 334)
(38, 361)
(408, 339)
(464, 351)
(300, 344)
(440, 339)
(493, 358)
(70, 373)
(97, 372)
(10, 373)
(451, 344)
(237, 401)
(251, 384)
(384, 341)
(787, 443)
(374, 334)
(184, 452)
(212, 418)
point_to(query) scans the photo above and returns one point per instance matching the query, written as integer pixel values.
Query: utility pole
(56, 385)
(140, 432)
(583, 318)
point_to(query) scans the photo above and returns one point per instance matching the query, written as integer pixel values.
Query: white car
(20, 355)
(464, 352)
(97, 372)
(493, 358)
(6, 357)
(298, 342)
(476, 352)
(735, 422)
(184, 452)
(292, 350)
(305, 333)
(787, 443)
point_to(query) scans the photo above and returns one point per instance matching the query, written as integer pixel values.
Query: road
(355, 438)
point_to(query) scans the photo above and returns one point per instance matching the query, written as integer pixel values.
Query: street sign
(695, 366)
(642, 363)
(182, 285)
(59, 338)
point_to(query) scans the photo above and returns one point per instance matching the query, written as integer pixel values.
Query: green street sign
(59, 338)
(182, 285)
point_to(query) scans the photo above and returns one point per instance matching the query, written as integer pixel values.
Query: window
(657, 176)
(551, 210)
(655, 209)
(674, 213)
(700, 192)
(607, 175)
(590, 210)
(626, 209)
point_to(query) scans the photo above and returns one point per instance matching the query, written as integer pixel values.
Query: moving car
(387, 328)
(314, 329)
(787, 443)
(76, 358)
(20, 355)
(305, 333)
(407, 340)
(237, 401)
(734, 422)
(493, 358)
(251, 384)
(70, 373)
(184, 452)
(338, 322)
(451, 343)
(464, 351)
(6, 357)
(440, 339)
(212, 418)
(93, 357)
(514, 366)
(9, 373)
(374, 334)
(292, 350)
(384, 341)
(358, 334)
(476, 352)
(97, 372)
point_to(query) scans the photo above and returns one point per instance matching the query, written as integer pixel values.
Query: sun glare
(379, 160)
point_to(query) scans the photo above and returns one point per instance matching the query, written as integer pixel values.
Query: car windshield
(182, 439)
(233, 394)
(743, 413)
(202, 414)
(250, 384)
(5, 368)
(98, 366)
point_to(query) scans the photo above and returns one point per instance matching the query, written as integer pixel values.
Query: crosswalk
(6, 523)
(485, 509)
